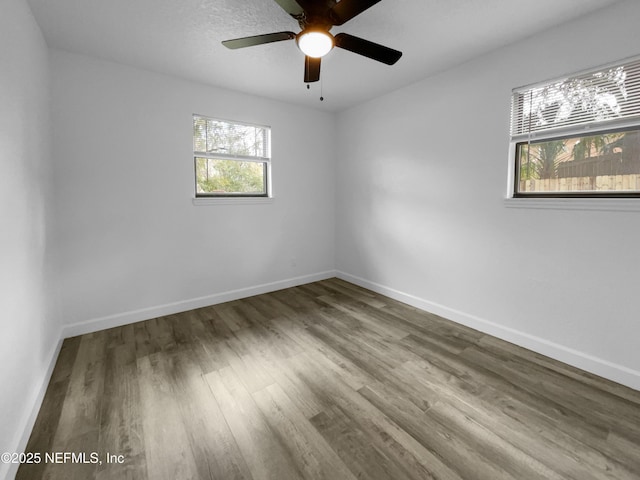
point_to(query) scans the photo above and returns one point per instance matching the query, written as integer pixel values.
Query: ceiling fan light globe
(315, 44)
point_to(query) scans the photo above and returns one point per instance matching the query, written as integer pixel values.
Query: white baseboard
(9, 470)
(132, 316)
(584, 361)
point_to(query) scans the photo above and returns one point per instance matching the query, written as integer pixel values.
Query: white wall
(29, 337)
(130, 244)
(422, 174)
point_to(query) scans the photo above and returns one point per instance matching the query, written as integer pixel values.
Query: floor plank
(263, 451)
(313, 456)
(166, 441)
(121, 427)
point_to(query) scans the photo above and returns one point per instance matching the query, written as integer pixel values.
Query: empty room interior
(320, 239)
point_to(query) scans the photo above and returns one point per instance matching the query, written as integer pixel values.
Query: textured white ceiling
(182, 38)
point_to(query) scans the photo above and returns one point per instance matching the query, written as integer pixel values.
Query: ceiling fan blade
(368, 49)
(345, 10)
(311, 69)
(258, 40)
(292, 7)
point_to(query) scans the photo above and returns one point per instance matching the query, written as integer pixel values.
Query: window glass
(230, 177)
(597, 164)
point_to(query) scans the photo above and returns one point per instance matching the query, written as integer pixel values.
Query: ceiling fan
(316, 18)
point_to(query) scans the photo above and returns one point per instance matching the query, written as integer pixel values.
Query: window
(231, 159)
(578, 136)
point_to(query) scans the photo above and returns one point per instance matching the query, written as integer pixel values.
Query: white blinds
(602, 98)
(226, 140)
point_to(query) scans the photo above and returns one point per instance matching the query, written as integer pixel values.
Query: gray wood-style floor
(326, 381)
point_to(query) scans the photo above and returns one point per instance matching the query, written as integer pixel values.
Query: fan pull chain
(321, 93)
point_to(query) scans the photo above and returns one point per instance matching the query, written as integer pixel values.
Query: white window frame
(231, 198)
(582, 124)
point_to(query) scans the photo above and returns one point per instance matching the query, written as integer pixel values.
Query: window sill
(595, 204)
(205, 201)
